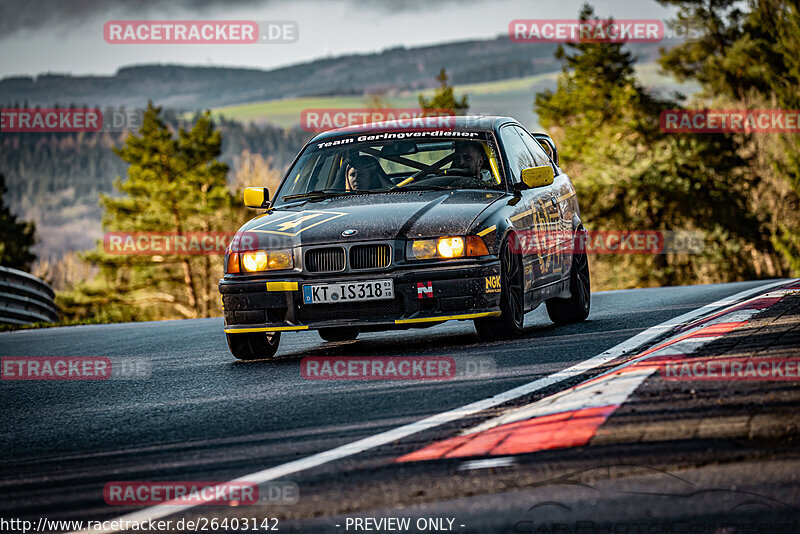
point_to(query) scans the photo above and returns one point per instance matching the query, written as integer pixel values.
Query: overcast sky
(66, 36)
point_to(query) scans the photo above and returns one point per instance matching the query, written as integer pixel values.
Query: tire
(254, 345)
(512, 299)
(338, 334)
(576, 307)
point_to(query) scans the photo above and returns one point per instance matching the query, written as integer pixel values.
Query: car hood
(399, 214)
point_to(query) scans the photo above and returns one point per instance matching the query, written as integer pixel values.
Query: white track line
(274, 473)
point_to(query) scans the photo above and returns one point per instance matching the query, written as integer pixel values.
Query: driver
(471, 157)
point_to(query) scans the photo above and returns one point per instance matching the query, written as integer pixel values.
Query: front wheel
(254, 345)
(512, 299)
(576, 307)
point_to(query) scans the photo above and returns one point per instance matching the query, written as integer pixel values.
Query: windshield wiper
(422, 187)
(319, 193)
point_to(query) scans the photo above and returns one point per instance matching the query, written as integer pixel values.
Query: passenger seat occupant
(361, 173)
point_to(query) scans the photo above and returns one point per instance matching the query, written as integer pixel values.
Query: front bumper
(463, 291)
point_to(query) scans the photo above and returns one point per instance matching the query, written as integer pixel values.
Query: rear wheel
(512, 299)
(338, 334)
(576, 307)
(254, 345)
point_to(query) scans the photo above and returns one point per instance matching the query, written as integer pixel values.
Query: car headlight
(447, 247)
(255, 261)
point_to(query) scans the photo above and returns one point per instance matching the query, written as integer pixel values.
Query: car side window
(324, 176)
(519, 157)
(539, 155)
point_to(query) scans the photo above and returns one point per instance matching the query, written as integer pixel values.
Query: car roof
(461, 122)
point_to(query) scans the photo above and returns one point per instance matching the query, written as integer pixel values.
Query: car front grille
(370, 256)
(325, 260)
(385, 309)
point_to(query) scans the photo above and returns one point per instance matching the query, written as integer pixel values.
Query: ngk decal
(493, 283)
(424, 289)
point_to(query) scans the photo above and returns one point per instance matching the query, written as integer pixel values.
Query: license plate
(348, 292)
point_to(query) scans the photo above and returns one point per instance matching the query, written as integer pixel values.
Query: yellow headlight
(280, 259)
(254, 260)
(451, 247)
(447, 247)
(424, 249)
(261, 260)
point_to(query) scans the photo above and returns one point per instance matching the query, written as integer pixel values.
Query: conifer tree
(444, 98)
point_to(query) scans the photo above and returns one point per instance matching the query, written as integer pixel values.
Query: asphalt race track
(202, 415)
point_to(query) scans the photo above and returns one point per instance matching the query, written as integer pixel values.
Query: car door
(559, 207)
(530, 212)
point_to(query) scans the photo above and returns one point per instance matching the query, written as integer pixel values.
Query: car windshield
(391, 161)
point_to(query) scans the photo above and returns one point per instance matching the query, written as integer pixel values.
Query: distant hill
(392, 70)
(511, 97)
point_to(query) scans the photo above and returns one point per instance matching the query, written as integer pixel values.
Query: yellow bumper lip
(441, 318)
(415, 320)
(265, 329)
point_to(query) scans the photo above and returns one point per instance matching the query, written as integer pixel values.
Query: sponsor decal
(424, 289)
(493, 284)
(585, 31)
(390, 368)
(295, 223)
(730, 121)
(200, 31)
(741, 369)
(406, 134)
(177, 243)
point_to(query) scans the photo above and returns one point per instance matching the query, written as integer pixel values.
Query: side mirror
(256, 197)
(548, 145)
(538, 176)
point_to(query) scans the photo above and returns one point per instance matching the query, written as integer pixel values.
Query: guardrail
(25, 299)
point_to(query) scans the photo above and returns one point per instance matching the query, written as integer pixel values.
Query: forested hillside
(55, 178)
